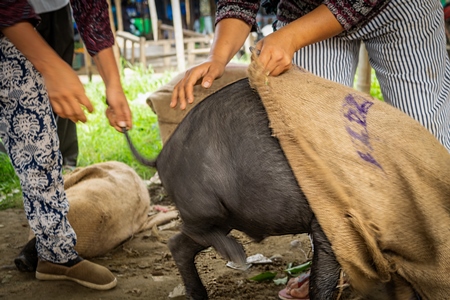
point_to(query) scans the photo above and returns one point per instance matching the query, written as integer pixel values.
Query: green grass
(99, 142)
(375, 90)
(10, 191)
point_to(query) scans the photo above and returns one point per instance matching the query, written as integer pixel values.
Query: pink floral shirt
(352, 14)
(91, 16)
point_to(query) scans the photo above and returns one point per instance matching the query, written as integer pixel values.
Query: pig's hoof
(25, 264)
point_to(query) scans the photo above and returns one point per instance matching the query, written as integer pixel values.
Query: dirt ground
(145, 269)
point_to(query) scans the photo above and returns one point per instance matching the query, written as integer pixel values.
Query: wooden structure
(186, 42)
(139, 49)
(364, 72)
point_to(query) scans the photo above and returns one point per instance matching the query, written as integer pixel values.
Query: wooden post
(113, 29)
(154, 18)
(178, 28)
(142, 55)
(189, 20)
(191, 55)
(124, 51)
(166, 51)
(119, 15)
(88, 63)
(363, 82)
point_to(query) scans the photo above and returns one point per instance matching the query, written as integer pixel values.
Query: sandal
(299, 283)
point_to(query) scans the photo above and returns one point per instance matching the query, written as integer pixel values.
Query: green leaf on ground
(298, 269)
(264, 276)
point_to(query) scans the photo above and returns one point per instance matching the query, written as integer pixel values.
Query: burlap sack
(378, 182)
(169, 118)
(109, 203)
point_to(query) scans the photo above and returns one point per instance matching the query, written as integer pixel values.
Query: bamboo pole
(363, 81)
(178, 28)
(119, 14)
(113, 29)
(154, 18)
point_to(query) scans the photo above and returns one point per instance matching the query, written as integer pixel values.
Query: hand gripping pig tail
(136, 154)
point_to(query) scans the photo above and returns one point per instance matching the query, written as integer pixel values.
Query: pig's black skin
(224, 170)
(27, 259)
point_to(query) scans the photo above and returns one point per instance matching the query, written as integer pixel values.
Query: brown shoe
(85, 273)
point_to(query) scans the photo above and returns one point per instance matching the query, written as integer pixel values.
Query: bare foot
(297, 288)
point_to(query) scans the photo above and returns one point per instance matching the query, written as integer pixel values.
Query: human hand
(205, 73)
(277, 49)
(276, 52)
(118, 111)
(65, 91)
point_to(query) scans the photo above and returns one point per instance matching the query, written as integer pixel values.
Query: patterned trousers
(28, 131)
(407, 49)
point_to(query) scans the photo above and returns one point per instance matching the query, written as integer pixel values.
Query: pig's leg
(325, 269)
(184, 250)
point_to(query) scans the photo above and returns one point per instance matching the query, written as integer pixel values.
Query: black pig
(224, 170)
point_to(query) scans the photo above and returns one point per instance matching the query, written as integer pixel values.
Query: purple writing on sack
(355, 111)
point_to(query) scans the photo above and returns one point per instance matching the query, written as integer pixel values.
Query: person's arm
(229, 36)
(118, 111)
(327, 20)
(12, 12)
(64, 88)
(99, 41)
(92, 19)
(354, 13)
(278, 48)
(234, 20)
